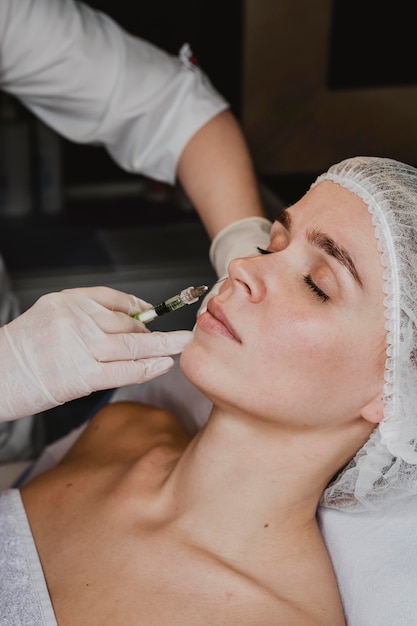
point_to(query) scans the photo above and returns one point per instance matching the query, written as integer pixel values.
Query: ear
(374, 411)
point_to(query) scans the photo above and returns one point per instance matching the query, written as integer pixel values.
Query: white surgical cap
(385, 468)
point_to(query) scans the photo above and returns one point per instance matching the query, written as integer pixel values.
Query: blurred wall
(297, 114)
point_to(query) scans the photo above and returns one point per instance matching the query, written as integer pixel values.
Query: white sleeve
(92, 82)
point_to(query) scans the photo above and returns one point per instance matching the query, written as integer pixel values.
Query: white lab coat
(92, 82)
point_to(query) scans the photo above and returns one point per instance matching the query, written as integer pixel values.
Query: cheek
(299, 340)
(298, 363)
(311, 354)
(312, 371)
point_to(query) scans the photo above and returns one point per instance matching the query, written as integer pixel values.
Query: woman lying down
(308, 355)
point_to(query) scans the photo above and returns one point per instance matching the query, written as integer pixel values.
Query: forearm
(217, 173)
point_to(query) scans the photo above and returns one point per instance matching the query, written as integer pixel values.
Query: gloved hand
(239, 239)
(74, 342)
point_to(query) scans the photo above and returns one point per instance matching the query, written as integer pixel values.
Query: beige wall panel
(292, 121)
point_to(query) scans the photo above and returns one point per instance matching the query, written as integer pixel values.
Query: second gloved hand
(239, 239)
(74, 342)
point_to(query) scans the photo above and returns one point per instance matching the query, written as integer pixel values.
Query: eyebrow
(327, 244)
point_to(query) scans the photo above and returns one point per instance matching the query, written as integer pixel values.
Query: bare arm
(218, 176)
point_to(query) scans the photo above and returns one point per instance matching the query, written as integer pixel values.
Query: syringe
(186, 296)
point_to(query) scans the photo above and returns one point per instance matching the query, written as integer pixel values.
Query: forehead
(342, 216)
(328, 206)
(332, 202)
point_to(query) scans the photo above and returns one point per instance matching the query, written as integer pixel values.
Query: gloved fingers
(112, 299)
(114, 322)
(239, 239)
(121, 373)
(134, 346)
(56, 351)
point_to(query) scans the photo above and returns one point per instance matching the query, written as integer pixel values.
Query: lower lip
(211, 324)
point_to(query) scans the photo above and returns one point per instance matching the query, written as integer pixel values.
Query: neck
(240, 477)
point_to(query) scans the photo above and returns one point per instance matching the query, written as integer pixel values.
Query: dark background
(372, 44)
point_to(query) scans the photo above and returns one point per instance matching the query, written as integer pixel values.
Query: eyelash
(318, 292)
(307, 279)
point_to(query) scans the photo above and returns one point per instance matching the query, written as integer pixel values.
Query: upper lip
(216, 311)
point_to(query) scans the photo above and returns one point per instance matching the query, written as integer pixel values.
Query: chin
(189, 361)
(196, 365)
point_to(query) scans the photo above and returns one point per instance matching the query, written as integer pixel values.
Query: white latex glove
(74, 342)
(239, 239)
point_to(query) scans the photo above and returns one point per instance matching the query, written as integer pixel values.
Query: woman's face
(298, 335)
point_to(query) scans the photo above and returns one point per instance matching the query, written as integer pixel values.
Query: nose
(246, 273)
(252, 272)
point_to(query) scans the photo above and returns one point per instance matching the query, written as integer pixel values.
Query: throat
(231, 488)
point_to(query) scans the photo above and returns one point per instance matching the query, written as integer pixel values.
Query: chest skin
(112, 556)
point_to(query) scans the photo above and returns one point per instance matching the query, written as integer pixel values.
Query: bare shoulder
(127, 430)
(117, 442)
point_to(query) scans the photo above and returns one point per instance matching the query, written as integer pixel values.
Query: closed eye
(317, 291)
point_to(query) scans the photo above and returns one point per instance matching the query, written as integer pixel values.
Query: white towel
(24, 597)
